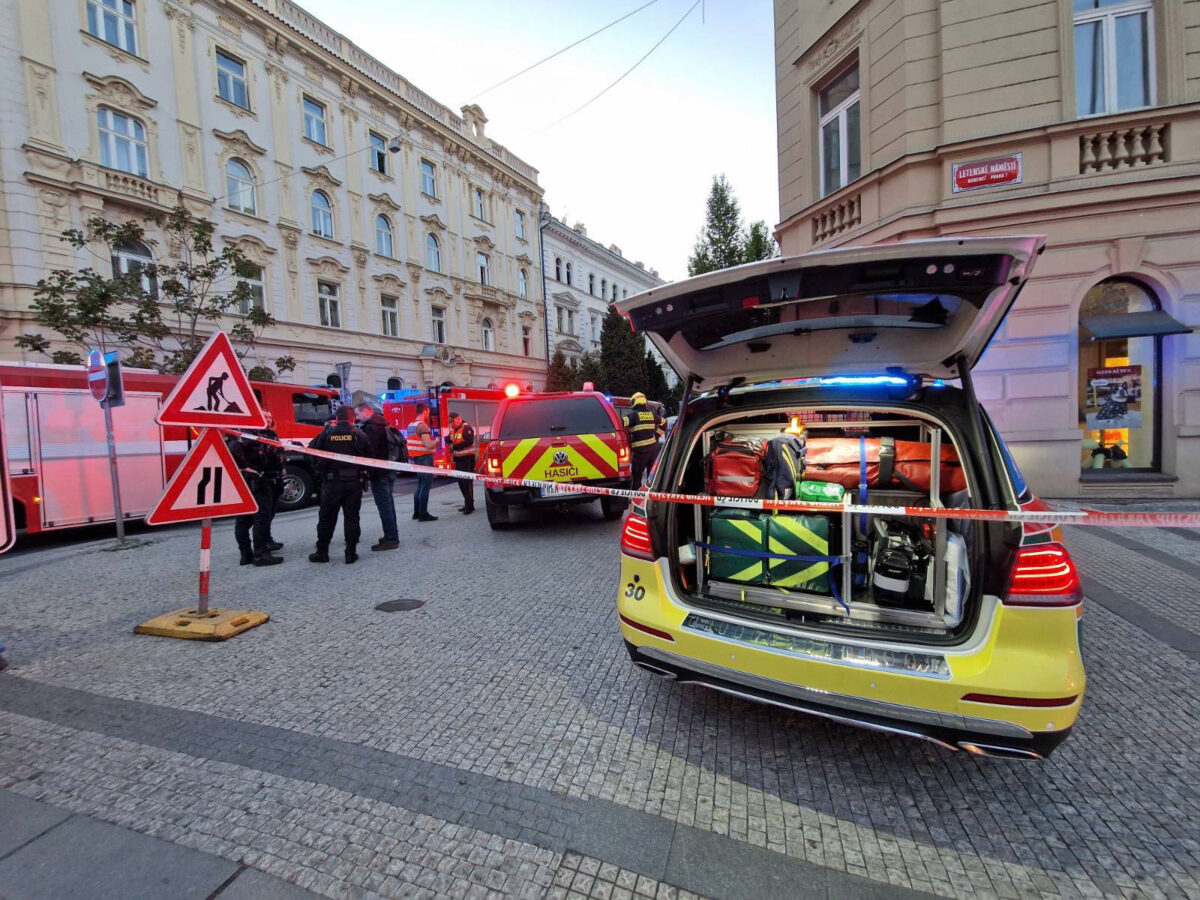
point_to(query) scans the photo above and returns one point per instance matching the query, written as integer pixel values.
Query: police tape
(1045, 517)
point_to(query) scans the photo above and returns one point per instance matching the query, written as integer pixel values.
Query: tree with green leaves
(721, 242)
(760, 243)
(622, 356)
(156, 316)
(559, 376)
(656, 379)
(591, 370)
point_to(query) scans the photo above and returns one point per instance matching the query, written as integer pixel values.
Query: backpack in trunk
(735, 467)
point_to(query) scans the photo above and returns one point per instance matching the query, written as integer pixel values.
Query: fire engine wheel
(613, 508)
(497, 515)
(297, 488)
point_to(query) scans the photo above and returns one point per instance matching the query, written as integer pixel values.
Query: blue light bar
(863, 380)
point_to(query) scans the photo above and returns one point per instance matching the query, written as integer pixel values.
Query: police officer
(341, 484)
(462, 447)
(642, 426)
(261, 465)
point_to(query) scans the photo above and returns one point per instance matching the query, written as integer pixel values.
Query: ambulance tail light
(1044, 575)
(635, 538)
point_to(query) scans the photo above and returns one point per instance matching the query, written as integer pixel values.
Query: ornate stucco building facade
(391, 233)
(582, 277)
(1076, 119)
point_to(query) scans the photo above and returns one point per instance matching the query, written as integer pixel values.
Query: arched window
(484, 263)
(433, 254)
(489, 335)
(395, 383)
(522, 283)
(322, 215)
(570, 280)
(134, 257)
(557, 269)
(239, 187)
(591, 284)
(383, 236)
(603, 288)
(614, 296)
(1121, 329)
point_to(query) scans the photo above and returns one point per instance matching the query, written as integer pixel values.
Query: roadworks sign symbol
(207, 485)
(213, 391)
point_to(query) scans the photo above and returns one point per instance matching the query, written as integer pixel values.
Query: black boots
(267, 558)
(274, 545)
(247, 556)
(320, 555)
(351, 555)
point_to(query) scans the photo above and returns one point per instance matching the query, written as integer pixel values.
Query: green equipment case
(798, 536)
(739, 529)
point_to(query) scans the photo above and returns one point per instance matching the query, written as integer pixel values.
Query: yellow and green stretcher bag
(805, 537)
(760, 545)
(737, 529)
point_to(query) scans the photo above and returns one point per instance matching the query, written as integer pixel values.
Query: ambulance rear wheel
(297, 488)
(613, 508)
(497, 514)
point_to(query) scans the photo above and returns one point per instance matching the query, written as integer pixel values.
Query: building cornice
(313, 38)
(568, 235)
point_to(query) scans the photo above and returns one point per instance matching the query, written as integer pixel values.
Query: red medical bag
(889, 464)
(735, 467)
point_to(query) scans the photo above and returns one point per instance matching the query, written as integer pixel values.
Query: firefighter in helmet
(642, 426)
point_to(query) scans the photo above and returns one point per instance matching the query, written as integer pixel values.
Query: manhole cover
(400, 605)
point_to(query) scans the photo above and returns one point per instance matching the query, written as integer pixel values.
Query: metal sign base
(192, 625)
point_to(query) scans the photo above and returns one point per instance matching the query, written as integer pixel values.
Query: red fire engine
(477, 406)
(58, 456)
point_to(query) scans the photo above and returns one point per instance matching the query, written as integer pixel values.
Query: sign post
(99, 372)
(207, 484)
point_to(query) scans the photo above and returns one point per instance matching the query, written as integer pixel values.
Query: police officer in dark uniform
(462, 447)
(642, 425)
(341, 483)
(262, 466)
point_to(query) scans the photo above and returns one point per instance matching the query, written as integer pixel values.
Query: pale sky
(635, 166)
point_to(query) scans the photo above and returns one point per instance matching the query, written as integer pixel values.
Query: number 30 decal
(636, 591)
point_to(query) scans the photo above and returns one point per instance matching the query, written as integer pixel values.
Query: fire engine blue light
(937, 382)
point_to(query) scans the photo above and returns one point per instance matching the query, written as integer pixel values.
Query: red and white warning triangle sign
(213, 391)
(207, 485)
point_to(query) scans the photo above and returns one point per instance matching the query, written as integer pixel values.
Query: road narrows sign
(213, 391)
(207, 485)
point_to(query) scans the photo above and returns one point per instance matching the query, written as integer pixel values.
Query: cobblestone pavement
(496, 741)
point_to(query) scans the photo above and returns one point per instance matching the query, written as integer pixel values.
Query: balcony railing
(1124, 148)
(836, 219)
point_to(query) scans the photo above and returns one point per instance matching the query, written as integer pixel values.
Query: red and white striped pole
(205, 561)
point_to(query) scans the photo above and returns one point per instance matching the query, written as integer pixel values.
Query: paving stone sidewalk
(496, 741)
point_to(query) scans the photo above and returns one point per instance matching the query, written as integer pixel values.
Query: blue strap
(759, 554)
(862, 484)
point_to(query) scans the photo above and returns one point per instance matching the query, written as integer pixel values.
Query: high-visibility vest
(642, 426)
(416, 446)
(457, 435)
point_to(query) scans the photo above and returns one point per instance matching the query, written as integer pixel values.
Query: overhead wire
(622, 76)
(563, 50)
